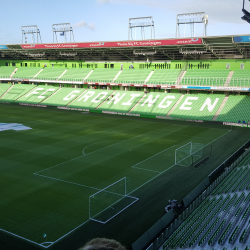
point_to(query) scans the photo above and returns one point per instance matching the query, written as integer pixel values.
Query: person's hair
(102, 244)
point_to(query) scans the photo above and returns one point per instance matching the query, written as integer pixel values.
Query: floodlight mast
(62, 28)
(191, 19)
(31, 29)
(141, 22)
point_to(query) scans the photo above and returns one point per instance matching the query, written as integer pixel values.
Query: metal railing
(188, 81)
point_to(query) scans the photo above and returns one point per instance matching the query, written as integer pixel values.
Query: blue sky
(107, 20)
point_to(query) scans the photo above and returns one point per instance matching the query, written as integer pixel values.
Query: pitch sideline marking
(150, 158)
(91, 152)
(20, 237)
(93, 144)
(88, 220)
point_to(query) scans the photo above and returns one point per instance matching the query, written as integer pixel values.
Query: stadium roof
(204, 48)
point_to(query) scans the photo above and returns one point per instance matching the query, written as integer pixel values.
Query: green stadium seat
(91, 99)
(198, 106)
(156, 104)
(235, 109)
(26, 72)
(122, 101)
(75, 74)
(16, 92)
(37, 95)
(6, 71)
(134, 76)
(103, 75)
(63, 97)
(4, 87)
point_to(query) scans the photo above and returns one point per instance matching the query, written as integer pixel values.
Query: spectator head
(102, 244)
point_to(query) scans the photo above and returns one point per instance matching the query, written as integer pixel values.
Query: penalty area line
(134, 166)
(66, 181)
(173, 165)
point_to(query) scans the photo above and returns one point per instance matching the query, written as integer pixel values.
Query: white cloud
(229, 11)
(83, 24)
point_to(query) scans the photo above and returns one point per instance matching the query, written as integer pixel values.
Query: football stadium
(142, 141)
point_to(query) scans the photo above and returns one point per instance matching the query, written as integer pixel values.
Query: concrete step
(62, 74)
(180, 77)
(37, 74)
(15, 70)
(220, 108)
(140, 101)
(172, 109)
(229, 77)
(6, 91)
(105, 100)
(149, 76)
(88, 75)
(117, 75)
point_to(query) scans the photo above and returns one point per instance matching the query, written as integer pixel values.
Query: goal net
(110, 201)
(187, 154)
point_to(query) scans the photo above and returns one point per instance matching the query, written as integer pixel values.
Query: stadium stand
(121, 101)
(90, 99)
(138, 76)
(221, 218)
(240, 78)
(156, 104)
(16, 92)
(103, 75)
(6, 71)
(75, 74)
(236, 109)
(26, 72)
(63, 97)
(198, 106)
(37, 95)
(50, 73)
(205, 77)
(3, 88)
(164, 76)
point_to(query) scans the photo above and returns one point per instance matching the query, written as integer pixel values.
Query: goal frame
(134, 199)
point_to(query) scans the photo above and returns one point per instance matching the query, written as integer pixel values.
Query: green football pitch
(53, 176)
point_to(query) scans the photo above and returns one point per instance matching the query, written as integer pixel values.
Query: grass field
(48, 173)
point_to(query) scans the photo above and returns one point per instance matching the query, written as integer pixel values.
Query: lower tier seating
(198, 106)
(236, 109)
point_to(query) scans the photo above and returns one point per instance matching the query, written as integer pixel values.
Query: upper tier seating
(205, 77)
(6, 71)
(90, 99)
(50, 73)
(240, 78)
(164, 76)
(137, 76)
(16, 92)
(236, 109)
(156, 104)
(63, 96)
(27, 72)
(103, 75)
(198, 106)
(75, 74)
(37, 95)
(4, 87)
(121, 101)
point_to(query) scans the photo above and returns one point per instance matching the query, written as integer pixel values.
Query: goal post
(188, 153)
(110, 201)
